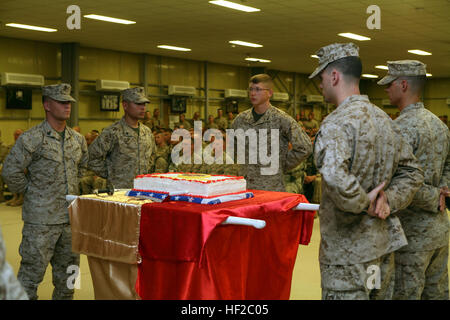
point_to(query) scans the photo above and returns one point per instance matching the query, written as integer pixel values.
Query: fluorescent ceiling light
(315, 56)
(258, 60)
(108, 19)
(247, 44)
(235, 6)
(382, 67)
(163, 46)
(25, 26)
(353, 36)
(420, 52)
(372, 76)
(429, 75)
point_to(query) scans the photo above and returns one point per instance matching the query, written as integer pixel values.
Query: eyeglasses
(256, 89)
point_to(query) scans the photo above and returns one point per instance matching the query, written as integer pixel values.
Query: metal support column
(70, 67)
(206, 90)
(144, 77)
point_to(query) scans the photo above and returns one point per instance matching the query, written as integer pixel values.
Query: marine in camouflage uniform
(356, 149)
(221, 121)
(4, 150)
(54, 160)
(90, 182)
(422, 265)
(293, 179)
(162, 158)
(272, 118)
(122, 152)
(10, 288)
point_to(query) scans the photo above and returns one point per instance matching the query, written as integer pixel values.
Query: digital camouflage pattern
(119, 154)
(58, 92)
(10, 287)
(222, 123)
(403, 68)
(356, 149)
(162, 159)
(41, 245)
(425, 226)
(332, 53)
(53, 171)
(421, 266)
(289, 131)
(135, 95)
(356, 282)
(421, 275)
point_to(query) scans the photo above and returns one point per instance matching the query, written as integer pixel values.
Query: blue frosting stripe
(216, 200)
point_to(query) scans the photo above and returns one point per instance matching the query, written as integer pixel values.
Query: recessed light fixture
(246, 44)
(371, 76)
(382, 67)
(420, 52)
(108, 19)
(235, 6)
(28, 27)
(353, 36)
(258, 60)
(163, 46)
(429, 75)
(315, 56)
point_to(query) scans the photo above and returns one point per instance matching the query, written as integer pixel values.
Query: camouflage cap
(334, 52)
(136, 95)
(58, 92)
(403, 68)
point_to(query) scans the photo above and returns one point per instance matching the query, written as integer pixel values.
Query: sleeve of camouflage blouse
(82, 167)
(16, 162)
(445, 178)
(332, 155)
(406, 180)
(98, 150)
(301, 145)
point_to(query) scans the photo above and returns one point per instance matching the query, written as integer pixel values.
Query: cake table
(139, 249)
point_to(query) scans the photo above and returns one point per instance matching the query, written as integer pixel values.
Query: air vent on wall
(314, 98)
(235, 93)
(19, 79)
(181, 90)
(280, 96)
(111, 85)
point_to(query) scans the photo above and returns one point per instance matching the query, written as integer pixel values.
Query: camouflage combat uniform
(162, 159)
(186, 124)
(293, 179)
(90, 182)
(421, 266)
(53, 171)
(119, 154)
(222, 123)
(10, 288)
(355, 150)
(289, 131)
(4, 150)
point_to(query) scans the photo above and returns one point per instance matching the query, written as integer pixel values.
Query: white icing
(219, 185)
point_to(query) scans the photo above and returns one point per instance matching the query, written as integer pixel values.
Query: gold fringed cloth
(107, 232)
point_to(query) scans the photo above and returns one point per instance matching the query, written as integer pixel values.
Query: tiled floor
(305, 282)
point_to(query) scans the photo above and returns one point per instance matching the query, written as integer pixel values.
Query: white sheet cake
(195, 184)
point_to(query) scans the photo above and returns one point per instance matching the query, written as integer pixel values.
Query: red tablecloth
(185, 255)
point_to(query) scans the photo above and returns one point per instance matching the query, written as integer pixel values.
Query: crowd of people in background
(304, 179)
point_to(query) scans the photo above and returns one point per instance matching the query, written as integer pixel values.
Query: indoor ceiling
(289, 30)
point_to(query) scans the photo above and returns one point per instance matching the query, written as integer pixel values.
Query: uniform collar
(49, 131)
(266, 117)
(129, 130)
(412, 106)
